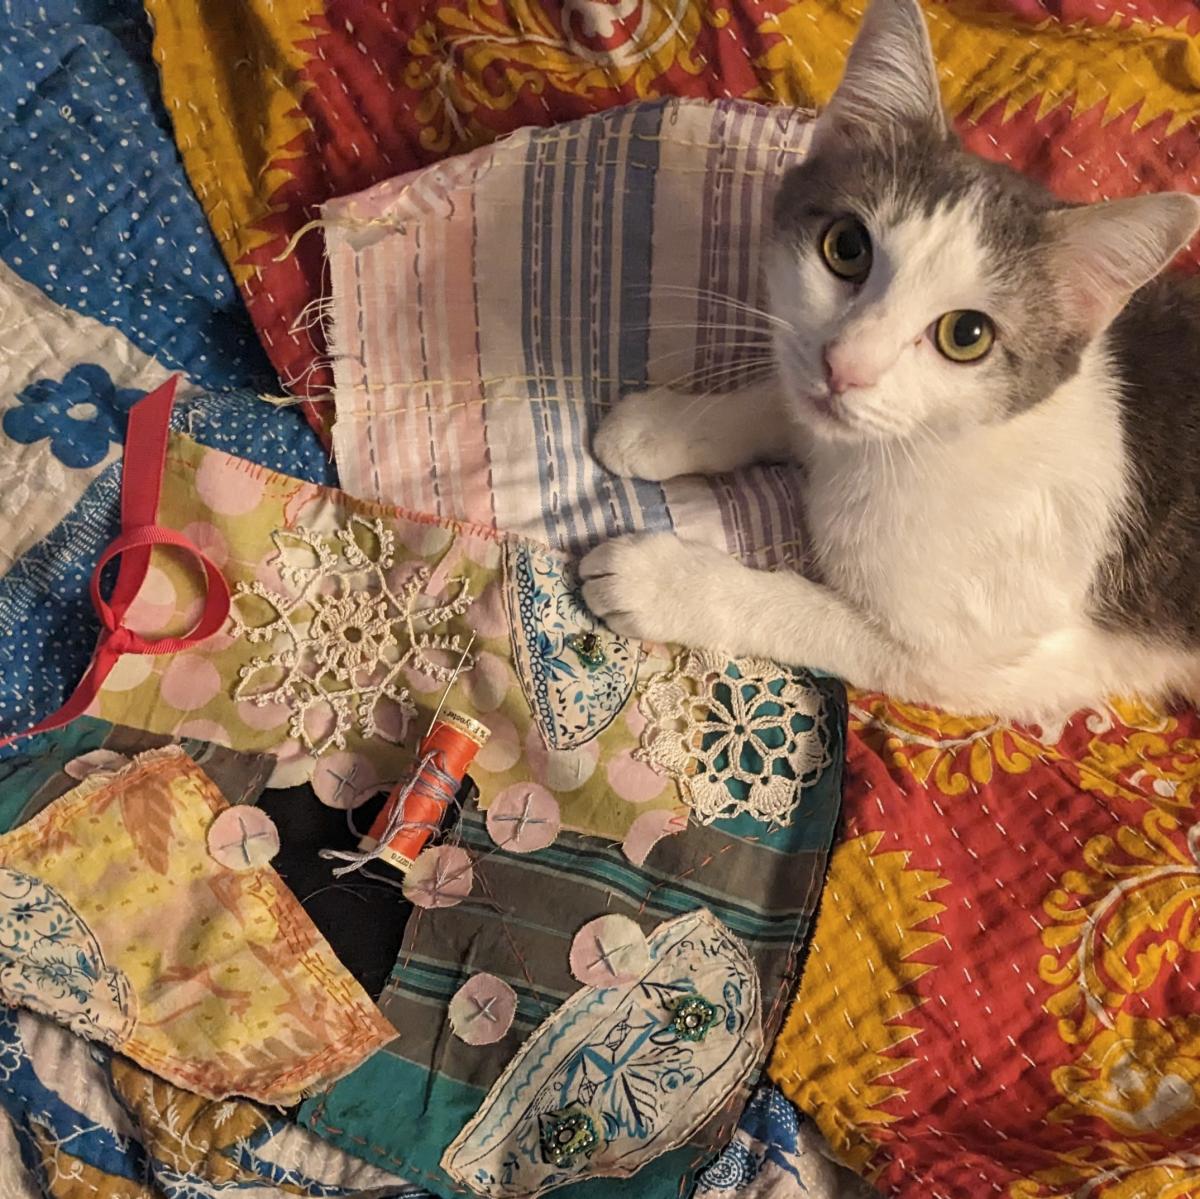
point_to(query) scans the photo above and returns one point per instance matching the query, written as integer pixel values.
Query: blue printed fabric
(74, 1120)
(777, 1153)
(98, 212)
(80, 415)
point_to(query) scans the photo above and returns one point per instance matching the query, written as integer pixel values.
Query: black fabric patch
(361, 918)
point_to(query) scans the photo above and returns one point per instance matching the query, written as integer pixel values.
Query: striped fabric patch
(519, 923)
(486, 313)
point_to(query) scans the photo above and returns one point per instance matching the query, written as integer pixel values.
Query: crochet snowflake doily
(740, 737)
(342, 633)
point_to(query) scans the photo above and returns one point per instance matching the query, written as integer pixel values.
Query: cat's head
(917, 286)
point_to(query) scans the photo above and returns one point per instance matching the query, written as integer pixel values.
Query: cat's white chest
(952, 555)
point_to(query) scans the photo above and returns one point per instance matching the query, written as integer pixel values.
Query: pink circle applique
(98, 760)
(189, 682)
(560, 769)
(482, 1009)
(153, 608)
(209, 540)
(243, 838)
(482, 550)
(345, 780)
(425, 540)
(487, 683)
(523, 817)
(648, 830)
(204, 730)
(503, 747)
(608, 951)
(131, 671)
(293, 765)
(441, 877)
(266, 716)
(486, 615)
(227, 488)
(634, 780)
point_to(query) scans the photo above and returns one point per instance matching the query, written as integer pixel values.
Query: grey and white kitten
(996, 397)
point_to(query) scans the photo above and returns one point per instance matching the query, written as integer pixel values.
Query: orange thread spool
(454, 741)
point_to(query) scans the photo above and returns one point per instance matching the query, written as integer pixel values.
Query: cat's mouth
(828, 409)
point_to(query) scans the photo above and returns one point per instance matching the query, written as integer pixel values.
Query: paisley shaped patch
(620, 1074)
(51, 963)
(576, 675)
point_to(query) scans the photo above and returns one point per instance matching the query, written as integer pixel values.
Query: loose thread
(429, 781)
(294, 240)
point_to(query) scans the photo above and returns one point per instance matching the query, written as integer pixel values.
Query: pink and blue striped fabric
(485, 313)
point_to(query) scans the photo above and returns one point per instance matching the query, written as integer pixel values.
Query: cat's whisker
(732, 302)
(714, 377)
(693, 352)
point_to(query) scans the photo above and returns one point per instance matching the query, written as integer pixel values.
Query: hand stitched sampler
(117, 919)
(1000, 996)
(759, 880)
(327, 97)
(49, 765)
(751, 750)
(403, 225)
(67, 383)
(348, 619)
(52, 763)
(637, 263)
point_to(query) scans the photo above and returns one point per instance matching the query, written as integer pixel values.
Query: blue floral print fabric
(82, 415)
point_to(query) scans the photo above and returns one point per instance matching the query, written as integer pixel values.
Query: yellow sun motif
(984, 56)
(482, 58)
(1125, 929)
(855, 993)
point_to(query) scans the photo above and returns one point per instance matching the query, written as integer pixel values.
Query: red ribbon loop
(141, 482)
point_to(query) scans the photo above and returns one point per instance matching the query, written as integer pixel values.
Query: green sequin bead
(692, 1017)
(566, 1134)
(588, 647)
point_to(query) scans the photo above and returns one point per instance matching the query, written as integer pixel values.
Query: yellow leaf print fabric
(116, 920)
(1007, 958)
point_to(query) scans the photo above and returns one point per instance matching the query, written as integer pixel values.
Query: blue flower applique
(82, 415)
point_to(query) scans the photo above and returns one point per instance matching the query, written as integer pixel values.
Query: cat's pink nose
(845, 369)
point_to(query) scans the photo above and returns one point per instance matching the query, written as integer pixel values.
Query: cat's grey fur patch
(1151, 586)
(923, 170)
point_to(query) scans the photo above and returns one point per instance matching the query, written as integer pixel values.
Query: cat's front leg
(661, 434)
(657, 587)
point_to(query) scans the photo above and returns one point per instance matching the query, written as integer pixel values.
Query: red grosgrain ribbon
(141, 482)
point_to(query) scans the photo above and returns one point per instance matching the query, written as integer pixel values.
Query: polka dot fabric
(98, 210)
(50, 628)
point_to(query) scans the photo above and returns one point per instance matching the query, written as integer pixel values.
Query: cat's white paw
(641, 439)
(655, 587)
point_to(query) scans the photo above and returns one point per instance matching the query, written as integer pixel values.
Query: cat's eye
(964, 335)
(846, 248)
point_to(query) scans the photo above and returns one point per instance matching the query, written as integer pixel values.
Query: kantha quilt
(279, 105)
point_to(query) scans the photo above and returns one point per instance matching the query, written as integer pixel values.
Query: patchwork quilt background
(326, 97)
(987, 877)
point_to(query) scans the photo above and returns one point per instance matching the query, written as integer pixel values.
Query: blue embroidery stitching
(616, 1055)
(575, 684)
(51, 963)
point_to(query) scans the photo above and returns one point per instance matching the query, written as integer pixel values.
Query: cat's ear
(890, 77)
(1102, 253)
